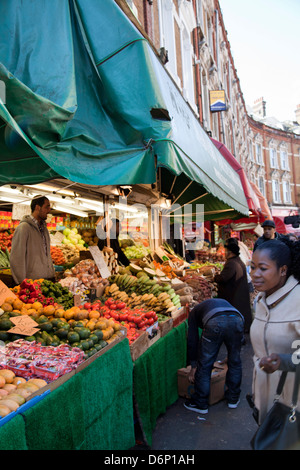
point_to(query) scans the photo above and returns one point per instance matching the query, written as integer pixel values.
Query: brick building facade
(191, 40)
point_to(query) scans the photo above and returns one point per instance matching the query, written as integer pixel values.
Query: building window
(284, 160)
(261, 185)
(258, 154)
(251, 151)
(286, 188)
(276, 191)
(167, 33)
(273, 158)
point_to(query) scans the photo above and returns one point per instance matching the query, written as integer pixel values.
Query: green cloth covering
(92, 410)
(155, 377)
(107, 400)
(57, 421)
(12, 434)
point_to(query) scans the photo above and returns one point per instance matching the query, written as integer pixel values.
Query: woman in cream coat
(275, 273)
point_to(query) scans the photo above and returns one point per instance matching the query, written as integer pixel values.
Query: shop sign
(217, 100)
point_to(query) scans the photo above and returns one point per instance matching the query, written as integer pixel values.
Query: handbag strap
(296, 385)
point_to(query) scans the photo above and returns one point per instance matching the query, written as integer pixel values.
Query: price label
(5, 292)
(24, 325)
(100, 262)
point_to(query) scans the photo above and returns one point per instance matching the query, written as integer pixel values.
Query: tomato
(121, 305)
(123, 316)
(103, 310)
(113, 307)
(87, 306)
(114, 315)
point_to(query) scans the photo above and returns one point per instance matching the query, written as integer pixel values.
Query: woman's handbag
(281, 428)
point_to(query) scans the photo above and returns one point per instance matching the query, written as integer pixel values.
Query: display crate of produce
(139, 346)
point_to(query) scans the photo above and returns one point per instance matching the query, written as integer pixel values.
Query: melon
(9, 387)
(3, 393)
(11, 404)
(4, 410)
(38, 382)
(17, 398)
(18, 380)
(8, 375)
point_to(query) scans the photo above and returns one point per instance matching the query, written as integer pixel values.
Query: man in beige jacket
(30, 255)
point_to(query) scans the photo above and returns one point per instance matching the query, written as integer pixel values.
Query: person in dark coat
(114, 242)
(233, 283)
(269, 233)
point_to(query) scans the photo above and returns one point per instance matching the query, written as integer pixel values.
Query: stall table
(155, 377)
(93, 410)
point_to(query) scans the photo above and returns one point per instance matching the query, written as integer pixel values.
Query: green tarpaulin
(87, 99)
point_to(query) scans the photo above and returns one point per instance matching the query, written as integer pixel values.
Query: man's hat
(268, 223)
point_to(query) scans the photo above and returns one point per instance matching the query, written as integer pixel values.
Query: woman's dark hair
(284, 252)
(37, 201)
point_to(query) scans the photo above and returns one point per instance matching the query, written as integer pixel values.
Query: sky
(264, 37)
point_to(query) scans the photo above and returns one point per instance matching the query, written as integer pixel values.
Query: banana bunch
(141, 291)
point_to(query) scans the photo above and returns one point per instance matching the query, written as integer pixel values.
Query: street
(221, 429)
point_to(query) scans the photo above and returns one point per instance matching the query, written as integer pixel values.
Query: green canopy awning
(87, 99)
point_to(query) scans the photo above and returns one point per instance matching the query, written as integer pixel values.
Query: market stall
(86, 135)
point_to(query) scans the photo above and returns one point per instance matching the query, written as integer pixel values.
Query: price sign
(5, 292)
(24, 325)
(100, 262)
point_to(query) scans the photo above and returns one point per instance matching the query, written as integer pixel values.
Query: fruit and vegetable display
(138, 250)
(143, 290)
(75, 326)
(31, 359)
(44, 292)
(4, 258)
(5, 240)
(84, 275)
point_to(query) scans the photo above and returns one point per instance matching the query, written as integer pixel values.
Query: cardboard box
(165, 326)
(155, 337)
(179, 316)
(139, 346)
(217, 384)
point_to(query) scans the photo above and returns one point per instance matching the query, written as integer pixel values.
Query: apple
(66, 231)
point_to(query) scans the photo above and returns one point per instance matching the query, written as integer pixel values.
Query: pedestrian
(221, 323)
(269, 233)
(30, 256)
(233, 282)
(114, 233)
(275, 273)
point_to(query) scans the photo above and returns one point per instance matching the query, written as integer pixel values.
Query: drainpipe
(197, 68)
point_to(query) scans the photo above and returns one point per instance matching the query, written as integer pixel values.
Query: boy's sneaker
(233, 405)
(190, 405)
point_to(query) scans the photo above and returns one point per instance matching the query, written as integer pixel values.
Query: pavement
(221, 429)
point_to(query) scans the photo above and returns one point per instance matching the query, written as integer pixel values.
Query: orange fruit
(37, 305)
(94, 314)
(59, 313)
(49, 310)
(10, 300)
(17, 304)
(69, 314)
(7, 307)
